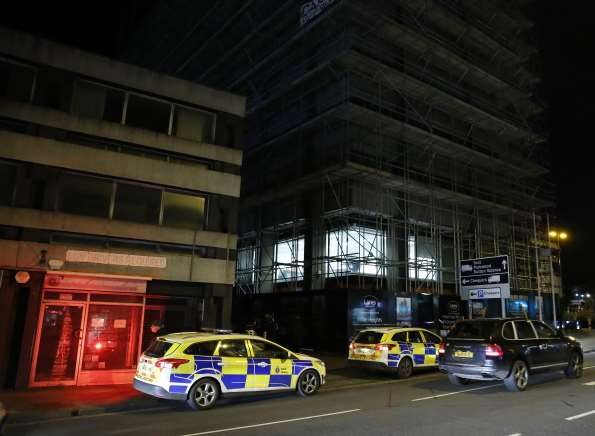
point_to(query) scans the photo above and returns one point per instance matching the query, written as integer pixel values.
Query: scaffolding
(386, 141)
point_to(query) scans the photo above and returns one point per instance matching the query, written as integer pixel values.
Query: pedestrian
(271, 328)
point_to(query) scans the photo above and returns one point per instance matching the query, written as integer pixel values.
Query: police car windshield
(158, 348)
(368, 337)
(474, 330)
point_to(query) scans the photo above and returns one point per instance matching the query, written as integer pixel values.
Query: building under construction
(386, 141)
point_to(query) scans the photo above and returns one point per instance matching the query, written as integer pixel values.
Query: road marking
(516, 434)
(590, 383)
(455, 393)
(589, 367)
(272, 423)
(582, 415)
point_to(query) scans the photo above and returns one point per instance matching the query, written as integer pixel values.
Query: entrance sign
(100, 257)
(477, 294)
(94, 283)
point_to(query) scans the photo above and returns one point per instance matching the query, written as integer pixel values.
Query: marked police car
(395, 349)
(199, 368)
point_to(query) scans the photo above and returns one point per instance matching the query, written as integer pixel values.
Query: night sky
(565, 32)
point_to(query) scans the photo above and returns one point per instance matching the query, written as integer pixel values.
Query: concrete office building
(386, 141)
(119, 192)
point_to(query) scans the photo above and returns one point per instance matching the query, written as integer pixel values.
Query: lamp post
(557, 236)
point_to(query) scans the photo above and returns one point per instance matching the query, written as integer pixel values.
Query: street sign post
(485, 277)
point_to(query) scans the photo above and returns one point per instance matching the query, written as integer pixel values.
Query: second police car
(395, 349)
(199, 368)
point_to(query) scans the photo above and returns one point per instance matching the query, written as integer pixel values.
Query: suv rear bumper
(156, 391)
(472, 372)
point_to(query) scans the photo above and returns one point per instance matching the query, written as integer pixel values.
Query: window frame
(216, 341)
(17, 167)
(288, 354)
(418, 333)
(437, 339)
(221, 341)
(533, 323)
(532, 328)
(513, 331)
(25, 65)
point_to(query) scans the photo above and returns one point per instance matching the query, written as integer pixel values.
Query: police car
(395, 349)
(200, 367)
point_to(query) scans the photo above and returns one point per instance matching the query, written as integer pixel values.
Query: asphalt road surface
(426, 404)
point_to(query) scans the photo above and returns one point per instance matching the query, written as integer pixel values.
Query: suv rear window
(474, 330)
(368, 337)
(158, 348)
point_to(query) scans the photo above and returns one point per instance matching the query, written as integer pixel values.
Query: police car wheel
(458, 381)
(203, 395)
(405, 368)
(308, 383)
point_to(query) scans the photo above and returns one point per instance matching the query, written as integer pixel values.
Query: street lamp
(558, 236)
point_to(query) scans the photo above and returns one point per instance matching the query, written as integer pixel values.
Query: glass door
(58, 342)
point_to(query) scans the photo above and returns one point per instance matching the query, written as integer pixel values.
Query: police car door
(270, 367)
(432, 342)
(234, 363)
(417, 347)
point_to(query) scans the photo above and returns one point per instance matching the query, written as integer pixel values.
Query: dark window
(16, 81)
(415, 337)
(268, 350)
(8, 177)
(53, 89)
(400, 337)
(544, 331)
(137, 203)
(194, 125)
(432, 338)
(206, 348)
(507, 331)
(96, 101)
(181, 210)
(368, 337)
(474, 329)
(233, 349)
(524, 330)
(147, 113)
(158, 348)
(83, 195)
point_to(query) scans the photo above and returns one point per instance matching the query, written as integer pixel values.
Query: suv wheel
(575, 366)
(203, 395)
(518, 378)
(458, 381)
(405, 368)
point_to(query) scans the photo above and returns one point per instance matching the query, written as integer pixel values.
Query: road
(425, 404)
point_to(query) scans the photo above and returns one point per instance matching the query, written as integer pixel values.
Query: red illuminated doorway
(57, 350)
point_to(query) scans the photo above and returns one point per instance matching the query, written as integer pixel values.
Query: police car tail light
(494, 350)
(442, 348)
(170, 363)
(384, 347)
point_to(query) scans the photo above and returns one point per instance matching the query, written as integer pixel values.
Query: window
(368, 337)
(202, 348)
(268, 350)
(544, 331)
(192, 124)
(157, 348)
(85, 195)
(8, 177)
(181, 210)
(508, 331)
(53, 89)
(289, 260)
(422, 265)
(415, 337)
(357, 250)
(16, 81)
(137, 203)
(432, 338)
(233, 349)
(147, 113)
(524, 330)
(96, 101)
(474, 329)
(246, 265)
(400, 337)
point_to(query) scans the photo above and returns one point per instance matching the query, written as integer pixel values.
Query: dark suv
(507, 349)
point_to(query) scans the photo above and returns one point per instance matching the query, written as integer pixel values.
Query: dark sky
(564, 29)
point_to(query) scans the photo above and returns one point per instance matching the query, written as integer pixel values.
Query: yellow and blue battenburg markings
(241, 373)
(422, 354)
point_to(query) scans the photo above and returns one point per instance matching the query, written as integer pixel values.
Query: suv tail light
(170, 363)
(494, 350)
(442, 348)
(384, 347)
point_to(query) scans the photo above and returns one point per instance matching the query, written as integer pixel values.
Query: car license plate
(147, 372)
(464, 354)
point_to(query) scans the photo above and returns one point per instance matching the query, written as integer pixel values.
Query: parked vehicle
(507, 349)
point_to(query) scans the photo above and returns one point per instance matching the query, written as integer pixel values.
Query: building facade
(119, 191)
(386, 142)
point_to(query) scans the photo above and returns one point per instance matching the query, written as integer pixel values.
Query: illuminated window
(191, 124)
(181, 210)
(289, 260)
(357, 250)
(246, 265)
(422, 266)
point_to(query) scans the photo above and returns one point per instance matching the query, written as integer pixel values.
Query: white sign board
(478, 294)
(100, 257)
